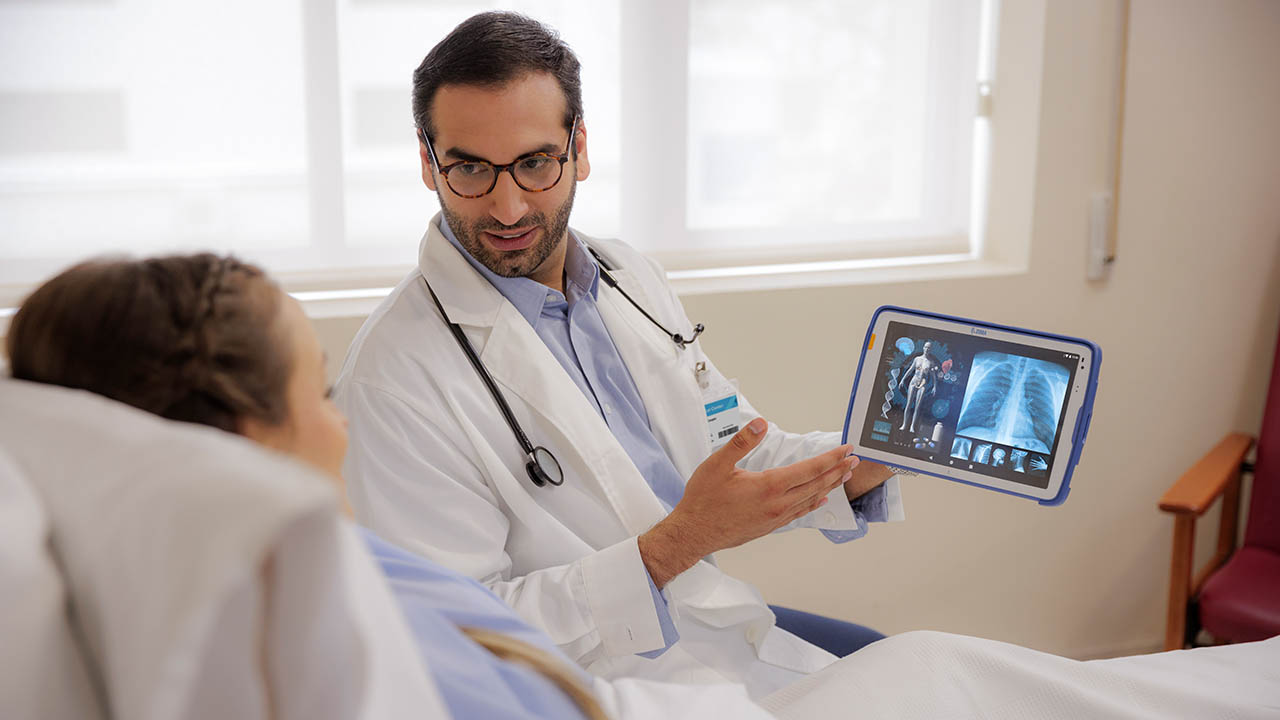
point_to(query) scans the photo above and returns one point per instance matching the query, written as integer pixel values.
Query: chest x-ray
(1014, 400)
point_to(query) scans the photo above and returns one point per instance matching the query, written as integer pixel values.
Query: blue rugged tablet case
(1082, 419)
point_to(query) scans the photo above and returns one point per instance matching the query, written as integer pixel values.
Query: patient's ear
(262, 433)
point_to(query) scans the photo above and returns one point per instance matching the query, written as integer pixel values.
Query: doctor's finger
(818, 487)
(743, 442)
(803, 509)
(807, 470)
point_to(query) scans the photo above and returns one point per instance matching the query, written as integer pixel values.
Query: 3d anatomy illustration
(922, 374)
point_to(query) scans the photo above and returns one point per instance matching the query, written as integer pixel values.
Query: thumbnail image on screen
(958, 400)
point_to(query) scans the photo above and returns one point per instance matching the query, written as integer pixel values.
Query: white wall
(1187, 324)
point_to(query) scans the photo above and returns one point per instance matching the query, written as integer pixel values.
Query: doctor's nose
(507, 201)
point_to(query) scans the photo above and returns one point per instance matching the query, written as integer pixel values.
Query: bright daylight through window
(776, 132)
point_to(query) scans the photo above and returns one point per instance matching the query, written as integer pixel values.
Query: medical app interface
(970, 402)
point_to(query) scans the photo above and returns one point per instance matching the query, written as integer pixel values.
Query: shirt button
(828, 518)
(608, 409)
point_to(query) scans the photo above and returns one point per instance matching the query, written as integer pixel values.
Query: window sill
(361, 302)
(877, 271)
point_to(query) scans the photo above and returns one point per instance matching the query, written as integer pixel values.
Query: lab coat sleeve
(410, 481)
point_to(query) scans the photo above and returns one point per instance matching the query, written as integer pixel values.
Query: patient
(213, 341)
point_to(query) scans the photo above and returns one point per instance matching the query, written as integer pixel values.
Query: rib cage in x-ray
(1013, 400)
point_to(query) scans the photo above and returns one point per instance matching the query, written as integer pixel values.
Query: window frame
(654, 55)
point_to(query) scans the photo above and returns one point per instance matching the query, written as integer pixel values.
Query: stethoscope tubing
(540, 475)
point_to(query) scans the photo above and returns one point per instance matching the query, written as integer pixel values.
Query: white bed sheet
(932, 675)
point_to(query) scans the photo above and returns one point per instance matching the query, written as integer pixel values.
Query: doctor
(530, 405)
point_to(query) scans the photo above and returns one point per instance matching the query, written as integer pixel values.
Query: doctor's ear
(428, 177)
(582, 162)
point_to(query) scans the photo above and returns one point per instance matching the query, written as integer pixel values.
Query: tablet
(993, 406)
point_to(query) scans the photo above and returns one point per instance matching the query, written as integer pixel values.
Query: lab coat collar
(467, 289)
(581, 275)
(466, 295)
(527, 295)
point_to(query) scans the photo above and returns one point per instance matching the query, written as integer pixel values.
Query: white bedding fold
(931, 675)
(205, 570)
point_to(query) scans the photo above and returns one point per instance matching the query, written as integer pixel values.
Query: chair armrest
(1199, 486)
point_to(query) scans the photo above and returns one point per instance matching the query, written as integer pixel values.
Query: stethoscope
(541, 464)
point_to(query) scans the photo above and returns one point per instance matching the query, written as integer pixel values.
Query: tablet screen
(974, 403)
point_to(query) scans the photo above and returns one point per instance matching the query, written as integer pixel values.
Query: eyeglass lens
(534, 173)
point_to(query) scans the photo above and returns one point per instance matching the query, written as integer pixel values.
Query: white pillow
(42, 673)
(211, 578)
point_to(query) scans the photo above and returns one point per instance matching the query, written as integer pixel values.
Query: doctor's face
(511, 231)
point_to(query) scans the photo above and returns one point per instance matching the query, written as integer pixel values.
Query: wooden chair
(1236, 595)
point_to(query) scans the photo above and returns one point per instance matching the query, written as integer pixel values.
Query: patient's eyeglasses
(535, 172)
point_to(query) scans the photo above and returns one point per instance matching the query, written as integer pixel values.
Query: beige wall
(1187, 323)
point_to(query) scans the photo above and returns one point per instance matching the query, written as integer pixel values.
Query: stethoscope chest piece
(543, 468)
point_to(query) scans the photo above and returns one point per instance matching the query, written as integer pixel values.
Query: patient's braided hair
(191, 338)
(510, 649)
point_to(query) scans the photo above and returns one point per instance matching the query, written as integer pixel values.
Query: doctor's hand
(725, 506)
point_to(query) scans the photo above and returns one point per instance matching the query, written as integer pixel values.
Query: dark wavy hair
(489, 50)
(192, 338)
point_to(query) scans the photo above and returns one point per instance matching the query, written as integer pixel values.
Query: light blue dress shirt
(473, 682)
(570, 325)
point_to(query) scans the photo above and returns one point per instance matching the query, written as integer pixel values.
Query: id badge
(721, 405)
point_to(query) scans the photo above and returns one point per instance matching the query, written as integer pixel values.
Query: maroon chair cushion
(1241, 602)
(1263, 528)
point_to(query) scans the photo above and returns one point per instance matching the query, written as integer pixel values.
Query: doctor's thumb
(743, 441)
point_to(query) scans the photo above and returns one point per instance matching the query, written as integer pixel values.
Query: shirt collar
(529, 296)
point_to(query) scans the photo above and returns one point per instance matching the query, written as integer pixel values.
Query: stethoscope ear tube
(609, 280)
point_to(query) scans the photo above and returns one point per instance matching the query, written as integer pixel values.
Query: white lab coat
(433, 467)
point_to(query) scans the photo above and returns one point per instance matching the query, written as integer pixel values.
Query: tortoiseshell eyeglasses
(535, 172)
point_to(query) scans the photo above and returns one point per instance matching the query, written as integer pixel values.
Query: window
(816, 126)
(722, 132)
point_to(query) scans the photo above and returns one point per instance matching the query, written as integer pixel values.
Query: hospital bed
(158, 570)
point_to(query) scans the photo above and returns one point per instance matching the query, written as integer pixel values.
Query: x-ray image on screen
(1014, 400)
(960, 448)
(997, 457)
(1037, 464)
(1019, 459)
(982, 453)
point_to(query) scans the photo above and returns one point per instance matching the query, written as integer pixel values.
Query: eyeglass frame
(508, 168)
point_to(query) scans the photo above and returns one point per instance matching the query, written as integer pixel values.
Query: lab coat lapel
(526, 371)
(521, 362)
(675, 413)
